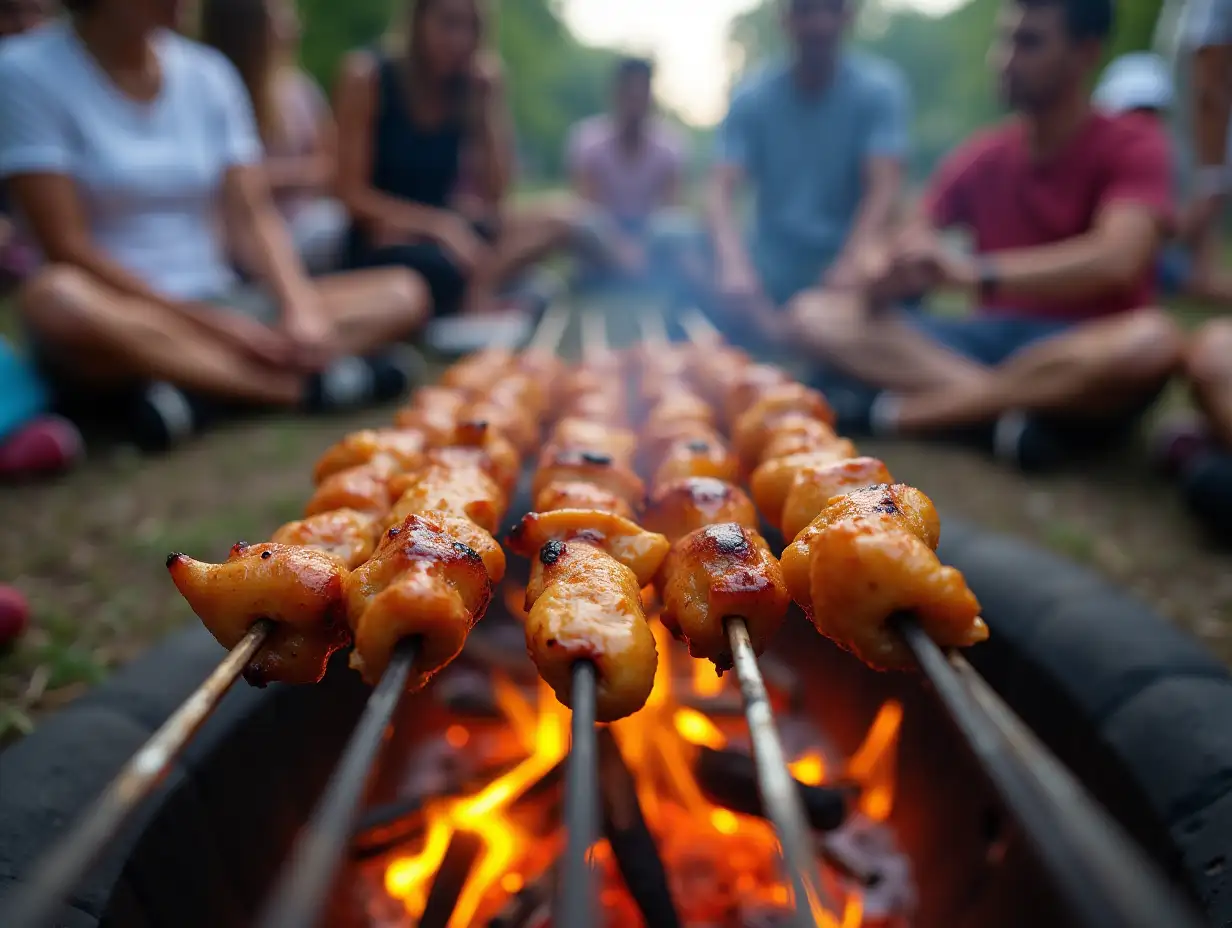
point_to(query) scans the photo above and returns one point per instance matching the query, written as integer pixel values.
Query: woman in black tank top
(425, 157)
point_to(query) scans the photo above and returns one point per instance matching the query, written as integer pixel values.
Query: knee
(1154, 345)
(55, 301)
(408, 293)
(1208, 358)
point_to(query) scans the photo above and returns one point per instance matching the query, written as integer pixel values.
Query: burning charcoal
(729, 779)
(455, 869)
(467, 692)
(633, 845)
(870, 847)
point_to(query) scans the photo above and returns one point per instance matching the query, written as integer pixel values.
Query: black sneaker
(346, 384)
(1027, 444)
(394, 372)
(1207, 487)
(163, 416)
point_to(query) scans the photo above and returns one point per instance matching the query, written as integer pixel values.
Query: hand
(846, 273)
(488, 75)
(460, 240)
(309, 334)
(739, 287)
(258, 341)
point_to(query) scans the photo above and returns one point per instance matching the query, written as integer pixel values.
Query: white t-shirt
(149, 175)
(1205, 23)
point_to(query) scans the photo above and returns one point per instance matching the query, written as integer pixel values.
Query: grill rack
(1101, 873)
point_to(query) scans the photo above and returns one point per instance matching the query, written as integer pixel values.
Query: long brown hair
(243, 31)
(404, 41)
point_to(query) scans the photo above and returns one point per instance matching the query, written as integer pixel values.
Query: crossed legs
(1208, 365)
(1090, 371)
(100, 336)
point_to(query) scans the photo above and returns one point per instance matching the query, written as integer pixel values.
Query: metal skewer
(779, 795)
(550, 330)
(577, 907)
(78, 850)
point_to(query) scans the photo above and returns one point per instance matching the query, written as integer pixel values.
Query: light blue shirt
(149, 175)
(805, 158)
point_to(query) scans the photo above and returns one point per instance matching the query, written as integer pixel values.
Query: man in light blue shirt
(821, 138)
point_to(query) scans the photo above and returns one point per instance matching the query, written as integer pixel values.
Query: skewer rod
(576, 908)
(550, 329)
(1103, 876)
(307, 879)
(780, 796)
(77, 851)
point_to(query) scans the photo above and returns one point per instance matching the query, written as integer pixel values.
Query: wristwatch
(987, 278)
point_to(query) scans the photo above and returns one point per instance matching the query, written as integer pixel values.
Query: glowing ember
(723, 866)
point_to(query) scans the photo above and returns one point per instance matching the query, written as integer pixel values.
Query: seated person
(629, 166)
(261, 37)
(1139, 86)
(425, 160)
(821, 138)
(16, 258)
(128, 150)
(1067, 207)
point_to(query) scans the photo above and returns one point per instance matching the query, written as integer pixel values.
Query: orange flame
(872, 766)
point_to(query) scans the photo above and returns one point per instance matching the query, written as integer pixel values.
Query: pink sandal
(47, 445)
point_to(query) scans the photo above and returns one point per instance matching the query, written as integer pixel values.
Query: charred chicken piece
(583, 604)
(683, 506)
(349, 535)
(477, 446)
(595, 438)
(518, 425)
(476, 372)
(869, 556)
(433, 411)
(747, 384)
(814, 488)
(364, 489)
(639, 550)
(696, 457)
(583, 466)
(679, 406)
(299, 589)
(462, 491)
(404, 448)
(755, 425)
(577, 495)
(799, 434)
(722, 571)
(658, 442)
(422, 583)
(771, 483)
(608, 406)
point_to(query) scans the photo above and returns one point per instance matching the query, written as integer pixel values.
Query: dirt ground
(89, 550)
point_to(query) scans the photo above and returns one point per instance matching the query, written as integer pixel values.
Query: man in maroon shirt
(1066, 208)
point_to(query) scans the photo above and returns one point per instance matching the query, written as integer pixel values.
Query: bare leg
(876, 349)
(102, 336)
(1097, 369)
(527, 234)
(373, 308)
(1208, 364)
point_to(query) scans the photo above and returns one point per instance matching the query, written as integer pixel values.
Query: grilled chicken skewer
(864, 547)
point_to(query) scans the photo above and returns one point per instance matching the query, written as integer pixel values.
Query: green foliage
(943, 57)
(553, 79)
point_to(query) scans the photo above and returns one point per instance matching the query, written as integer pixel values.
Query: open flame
(720, 863)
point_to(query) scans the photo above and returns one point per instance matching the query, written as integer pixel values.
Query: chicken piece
(477, 372)
(772, 482)
(715, 369)
(658, 442)
(747, 384)
(519, 390)
(476, 444)
(545, 366)
(517, 425)
(607, 406)
(598, 469)
(457, 490)
(585, 605)
(349, 535)
(434, 411)
(698, 457)
(299, 589)
(868, 557)
(422, 583)
(798, 434)
(754, 426)
(678, 508)
(404, 448)
(577, 495)
(468, 533)
(639, 550)
(719, 572)
(364, 489)
(814, 487)
(572, 434)
(683, 406)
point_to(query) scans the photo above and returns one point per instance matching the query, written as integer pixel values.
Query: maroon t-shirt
(993, 186)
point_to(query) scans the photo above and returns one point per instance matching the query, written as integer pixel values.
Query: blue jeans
(990, 340)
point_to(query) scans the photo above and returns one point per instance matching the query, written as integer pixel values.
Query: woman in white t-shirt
(133, 156)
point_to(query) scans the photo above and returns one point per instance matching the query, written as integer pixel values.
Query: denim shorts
(1174, 270)
(990, 340)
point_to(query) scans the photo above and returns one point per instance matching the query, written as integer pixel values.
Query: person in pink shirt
(1067, 208)
(629, 166)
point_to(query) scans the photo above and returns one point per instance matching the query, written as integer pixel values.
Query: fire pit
(209, 848)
